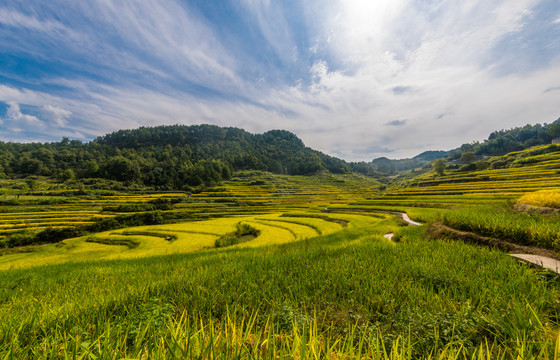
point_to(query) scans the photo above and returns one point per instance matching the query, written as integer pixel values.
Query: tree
(554, 128)
(468, 157)
(67, 174)
(122, 169)
(439, 166)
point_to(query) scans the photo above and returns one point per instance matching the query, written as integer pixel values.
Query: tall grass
(351, 294)
(502, 222)
(546, 198)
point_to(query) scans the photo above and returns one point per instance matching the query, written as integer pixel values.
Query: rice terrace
(280, 180)
(241, 262)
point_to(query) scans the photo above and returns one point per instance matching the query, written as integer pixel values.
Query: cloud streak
(336, 73)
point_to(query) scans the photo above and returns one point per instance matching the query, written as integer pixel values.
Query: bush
(246, 229)
(227, 240)
(129, 208)
(47, 236)
(20, 238)
(53, 235)
(482, 165)
(244, 232)
(468, 167)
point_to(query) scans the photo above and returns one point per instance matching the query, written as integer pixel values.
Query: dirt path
(405, 217)
(541, 261)
(535, 256)
(538, 260)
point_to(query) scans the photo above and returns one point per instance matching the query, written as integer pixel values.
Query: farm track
(538, 260)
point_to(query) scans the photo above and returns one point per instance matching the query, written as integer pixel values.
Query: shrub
(129, 208)
(246, 229)
(482, 165)
(244, 232)
(20, 238)
(468, 167)
(48, 236)
(227, 240)
(53, 235)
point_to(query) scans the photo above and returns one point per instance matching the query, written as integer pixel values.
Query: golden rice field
(523, 173)
(544, 198)
(144, 241)
(252, 193)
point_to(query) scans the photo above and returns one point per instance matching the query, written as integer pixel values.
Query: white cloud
(372, 45)
(272, 23)
(13, 18)
(383, 61)
(182, 43)
(56, 115)
(17, 118)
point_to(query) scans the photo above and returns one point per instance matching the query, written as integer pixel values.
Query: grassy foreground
(351, 294)
(312, 285)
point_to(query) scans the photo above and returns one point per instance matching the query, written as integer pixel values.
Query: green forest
(184, 157)
(167, 157)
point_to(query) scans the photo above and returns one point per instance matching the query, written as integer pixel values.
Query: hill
(517, 172)
(383, 166)
(516, 139)
(168, 157)
(498, 143)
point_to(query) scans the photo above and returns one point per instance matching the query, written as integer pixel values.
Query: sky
(356, 79)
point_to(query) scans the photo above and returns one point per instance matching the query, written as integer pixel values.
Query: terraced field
(250, 193)
(144, 241)
(524, 171)
(310, 276)
(65, 208)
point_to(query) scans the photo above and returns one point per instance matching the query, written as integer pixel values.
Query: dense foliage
(498, 143)
(168, 157)
(504, 141)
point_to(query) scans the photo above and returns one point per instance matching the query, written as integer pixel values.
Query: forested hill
(516, 139)
(498, 143)
(170, 157)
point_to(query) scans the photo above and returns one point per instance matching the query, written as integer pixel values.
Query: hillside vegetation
(167, 157)
(498, 143)
(277, 266)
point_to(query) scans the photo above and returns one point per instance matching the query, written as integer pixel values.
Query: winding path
(538, 260)
(405, 217)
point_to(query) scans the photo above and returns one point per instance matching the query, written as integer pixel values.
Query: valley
(285, 266)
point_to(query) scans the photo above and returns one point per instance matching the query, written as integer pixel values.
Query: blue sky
(356, 79)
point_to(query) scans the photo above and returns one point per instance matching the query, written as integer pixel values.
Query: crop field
(543, 198)
(250, 193)
(155, 240)
(285, 267)
(525, 172)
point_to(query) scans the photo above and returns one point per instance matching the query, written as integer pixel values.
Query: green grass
(311, 285)
(505, 223)
(339, 295)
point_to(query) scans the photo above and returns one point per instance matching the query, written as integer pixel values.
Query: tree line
(167, 157)
(516, 139)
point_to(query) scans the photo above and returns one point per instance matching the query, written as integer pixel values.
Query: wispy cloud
(17, 19)
(337, 73)
(396, 123)
(57, 115)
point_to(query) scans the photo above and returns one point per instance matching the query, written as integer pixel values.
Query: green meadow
(266, 266)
